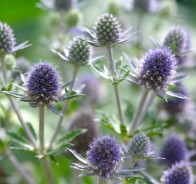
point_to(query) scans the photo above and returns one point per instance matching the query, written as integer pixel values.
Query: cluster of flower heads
(43, 84)
(156, 70)
(179, 173)
(174, 150)
(178, 39)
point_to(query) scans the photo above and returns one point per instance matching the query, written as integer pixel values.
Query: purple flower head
(84, 120)
(178, 39)
(65, 4)
(43, 84)
(139, 145)
(7, 39)
(107, 29)
(176, 106)
(104, 156)
(157, 69)
(79, 51)
(179, 173)
(174, 150)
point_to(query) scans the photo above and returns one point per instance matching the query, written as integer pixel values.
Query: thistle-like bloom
(84, 120)
(78, 52)
(104, 156)
(8, 41)
(179, 173)
(43, 84)
(174, 150)
(139, 146)
(175, 106)
(178, 39)
(157, 69)
(107, 32)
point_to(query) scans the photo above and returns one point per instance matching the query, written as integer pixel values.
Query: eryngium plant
(83, 120)
(43, 84)
(179, 173)
(156, 71)
(139, 146)
(178, 39)
(8, 41)
(104, 159)
(107, 32)
(174, 150)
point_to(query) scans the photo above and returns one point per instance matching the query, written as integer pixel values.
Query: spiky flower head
(7, 39)
(178, 39)
(107, 29)
(139, 145)
(174, 150)
(104, 156)
(79, 51)
(143, 6)
(175, 106)
(43, 84)
(84, 120)
(179, 173)
(156, 69)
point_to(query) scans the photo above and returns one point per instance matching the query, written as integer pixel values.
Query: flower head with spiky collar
(179, 173)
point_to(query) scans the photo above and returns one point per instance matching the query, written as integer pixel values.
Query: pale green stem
(44, 161)
(19, 168)
(41, 129)
(15, 106)
(75, 71)
(112, 68)
(136, 119)
(46, 166)
(101, 181)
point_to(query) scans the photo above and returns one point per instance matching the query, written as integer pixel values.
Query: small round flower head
(178, 39)
(79, 51)
(93, 90)
(179, 173)
(7, 39)
(156, 70)
(104, 156)
(64, 4)
(84, 120)
(174, 150)
(175, 106)
(43, 84)
(143, 5)
(139, 145)
(73, 18)
(107, 29)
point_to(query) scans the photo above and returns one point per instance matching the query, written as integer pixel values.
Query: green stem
(46, 166)
(75, 71)
(19, 167)
(41, 129)
(101, 181)
(113, 70)
(15, 106)
(136, 120)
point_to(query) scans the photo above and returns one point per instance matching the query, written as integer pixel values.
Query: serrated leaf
(13, 94)
(177, 95)
(54, 109)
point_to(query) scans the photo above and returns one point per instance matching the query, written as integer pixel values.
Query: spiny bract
(7, 39)
(43, 84)
(139, 145)
(156, 69)
(104, 156)
(179, 173)
(107, 29)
